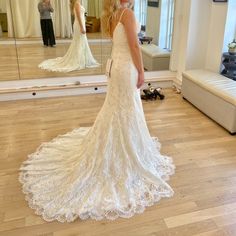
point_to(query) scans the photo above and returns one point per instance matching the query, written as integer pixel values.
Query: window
(140, 10)
(166, 20)
(166, 24)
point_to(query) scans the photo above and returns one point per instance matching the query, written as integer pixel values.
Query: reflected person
(45, 10)
(79, 55)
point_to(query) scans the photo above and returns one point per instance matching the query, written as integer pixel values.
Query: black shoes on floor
(152, 94)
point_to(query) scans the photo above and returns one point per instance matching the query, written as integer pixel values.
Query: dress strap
(122, 14)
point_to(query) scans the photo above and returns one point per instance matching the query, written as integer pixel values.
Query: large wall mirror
(9, 67)
(22, 49)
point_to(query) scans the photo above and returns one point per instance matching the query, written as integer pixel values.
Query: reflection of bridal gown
(112, 169)
(77, 57)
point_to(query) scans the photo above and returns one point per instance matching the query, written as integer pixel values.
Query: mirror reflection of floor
(4, 37)
(31, 53)
(8, 63)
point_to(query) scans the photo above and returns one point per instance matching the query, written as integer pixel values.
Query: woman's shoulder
(77, 3)
(126, 10)
(126, 14)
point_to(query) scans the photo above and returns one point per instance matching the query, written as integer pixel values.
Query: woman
(113, 169)
(79, 55)
(45, 10)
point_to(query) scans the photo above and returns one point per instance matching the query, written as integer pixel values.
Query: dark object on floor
(152, 94)
(229, 64)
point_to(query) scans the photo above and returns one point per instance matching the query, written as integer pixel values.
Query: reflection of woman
(113, 169)
(79, 55)
(45, 10)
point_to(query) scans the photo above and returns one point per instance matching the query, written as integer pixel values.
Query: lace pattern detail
(57, 188)
(112, 169)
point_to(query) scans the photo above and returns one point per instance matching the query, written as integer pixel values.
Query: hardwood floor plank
(218, 232)
(201, 215)
(204, 153)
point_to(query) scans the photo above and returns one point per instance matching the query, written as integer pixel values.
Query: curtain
(94, 8)
(3, 6)
(85, 4)
(9, 21)
(62, 18)
(24, 20)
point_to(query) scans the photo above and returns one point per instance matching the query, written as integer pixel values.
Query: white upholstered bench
(155, 58)
(213, 94)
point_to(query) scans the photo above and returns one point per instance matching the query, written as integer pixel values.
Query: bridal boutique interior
(21, 43)
(23, 37)
(192, 37)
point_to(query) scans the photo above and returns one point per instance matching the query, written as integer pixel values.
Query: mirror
(156, 18)
(9, 69)
(30, 46)
(24, 31)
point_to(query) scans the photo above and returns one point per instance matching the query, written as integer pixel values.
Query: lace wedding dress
(77, 57)
(112, 169)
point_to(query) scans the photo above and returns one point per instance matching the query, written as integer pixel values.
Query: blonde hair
(110, 10)
(72, 6)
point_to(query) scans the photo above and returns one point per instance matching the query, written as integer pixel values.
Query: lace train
(60, 189)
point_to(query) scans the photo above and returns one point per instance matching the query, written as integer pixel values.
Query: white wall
(198, 35)
(216, 36)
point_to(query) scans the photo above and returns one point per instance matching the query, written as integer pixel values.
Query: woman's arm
(50, 7)
(40, 7)
(78, 15)
(129, 22)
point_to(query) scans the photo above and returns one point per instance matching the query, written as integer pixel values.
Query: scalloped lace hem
(51, 68)
(106, 214)
(146, 196)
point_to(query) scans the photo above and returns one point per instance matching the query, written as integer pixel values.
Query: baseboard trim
(72, 86)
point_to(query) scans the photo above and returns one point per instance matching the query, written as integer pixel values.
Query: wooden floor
(8, 63)
(204, 153)
(28, 56)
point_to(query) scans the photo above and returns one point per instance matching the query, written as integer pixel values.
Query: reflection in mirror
(156, 18)
(23, 22)
(31, 51)
(78, 56)
(8, 54)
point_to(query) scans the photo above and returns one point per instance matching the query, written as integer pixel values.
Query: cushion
(214, 83)
(154, 51)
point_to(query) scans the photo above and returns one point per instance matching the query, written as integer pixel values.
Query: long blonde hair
(110, 10)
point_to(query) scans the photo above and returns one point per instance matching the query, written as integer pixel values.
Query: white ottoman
(213, 94)
(155, 58)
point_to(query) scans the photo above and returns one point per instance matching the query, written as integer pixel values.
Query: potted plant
(232, 47)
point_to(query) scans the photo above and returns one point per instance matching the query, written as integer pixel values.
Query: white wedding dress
(78, 56)
(112, 169)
